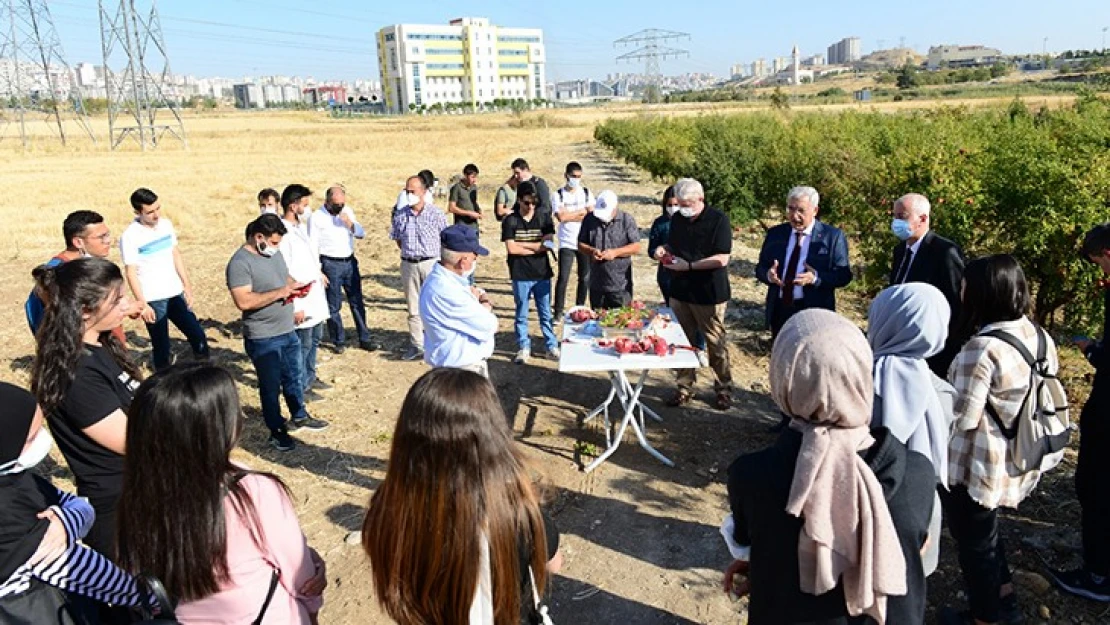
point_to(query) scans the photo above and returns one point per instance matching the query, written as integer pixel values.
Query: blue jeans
(310, 340)
(344, 277)
(176, 310)
(277, 363)
(523, 290)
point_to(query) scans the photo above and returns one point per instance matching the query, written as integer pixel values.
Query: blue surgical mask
(574, 183)
(901, 229)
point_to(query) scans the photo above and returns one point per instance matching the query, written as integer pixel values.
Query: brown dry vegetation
(640, 539)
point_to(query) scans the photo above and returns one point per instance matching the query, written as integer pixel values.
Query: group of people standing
(839, 521)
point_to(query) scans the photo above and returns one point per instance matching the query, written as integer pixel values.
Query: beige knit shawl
(821, 376)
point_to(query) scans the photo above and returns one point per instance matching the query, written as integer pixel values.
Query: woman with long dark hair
(84, 380)
(455, 533)
(222, 539)
(988, 374)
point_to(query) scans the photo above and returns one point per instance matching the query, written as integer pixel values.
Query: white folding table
(581, 354)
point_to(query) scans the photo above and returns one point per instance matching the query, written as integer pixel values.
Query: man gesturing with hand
(802, 261)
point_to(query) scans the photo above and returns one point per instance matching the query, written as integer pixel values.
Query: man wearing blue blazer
(802, 262)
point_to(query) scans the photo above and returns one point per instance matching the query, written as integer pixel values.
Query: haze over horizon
(336, 40)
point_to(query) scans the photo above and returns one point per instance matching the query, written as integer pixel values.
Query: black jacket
(827, 254)
(939, 262)
(758, 487)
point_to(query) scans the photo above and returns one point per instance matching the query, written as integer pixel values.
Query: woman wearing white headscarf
(908, 324)
(827, 524)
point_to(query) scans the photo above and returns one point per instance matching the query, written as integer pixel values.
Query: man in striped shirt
(416, 229)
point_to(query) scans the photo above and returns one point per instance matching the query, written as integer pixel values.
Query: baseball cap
(606, 200)
(460, 238)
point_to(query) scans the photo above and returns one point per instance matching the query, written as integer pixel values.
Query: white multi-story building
(845, 51)
(466, 61)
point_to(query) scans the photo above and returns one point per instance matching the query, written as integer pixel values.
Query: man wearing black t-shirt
(528, 234)
(700, 243)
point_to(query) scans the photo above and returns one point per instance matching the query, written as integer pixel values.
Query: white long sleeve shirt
(332, 238)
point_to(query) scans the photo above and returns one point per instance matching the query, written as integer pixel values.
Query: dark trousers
(1092, 484)
(566, 259)
(981, 552)
(782, 313)
(344, 277)
(277, 363)
(603, 300)
(174, 310)
(310, 341)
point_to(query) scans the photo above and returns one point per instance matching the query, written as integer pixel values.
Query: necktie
(792, 271)
(904, 268)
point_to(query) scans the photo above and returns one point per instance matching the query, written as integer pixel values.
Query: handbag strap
(154, 588)
(269, 597)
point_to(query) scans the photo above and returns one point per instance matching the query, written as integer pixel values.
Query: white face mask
(267, 210)
(470, 272)
(672, 209)
(265, 250)
(412, 199)
(604, 214)
(686, 211)
(32, 456)
(574, 183)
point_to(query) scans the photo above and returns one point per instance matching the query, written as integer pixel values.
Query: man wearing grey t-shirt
(259, 281)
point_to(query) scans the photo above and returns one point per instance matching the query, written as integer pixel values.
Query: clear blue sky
(234, 38)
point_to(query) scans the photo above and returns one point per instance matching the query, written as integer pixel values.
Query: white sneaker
(703, 358)
(554, 354)
(522, 357)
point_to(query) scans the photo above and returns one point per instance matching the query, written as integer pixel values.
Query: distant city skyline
(335, 41)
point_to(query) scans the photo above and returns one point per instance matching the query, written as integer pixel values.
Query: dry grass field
(640, 539)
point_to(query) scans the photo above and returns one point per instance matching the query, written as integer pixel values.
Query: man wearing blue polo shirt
(459, 324)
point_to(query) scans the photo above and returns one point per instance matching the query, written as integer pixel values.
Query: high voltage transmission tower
(651, 51)
(136, 73)
(35, 75)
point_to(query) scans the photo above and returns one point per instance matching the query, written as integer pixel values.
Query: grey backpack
(1041, 429)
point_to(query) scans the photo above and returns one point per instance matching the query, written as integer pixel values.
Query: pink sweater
(284, 548)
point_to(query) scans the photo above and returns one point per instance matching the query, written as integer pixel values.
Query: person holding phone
(261, 287)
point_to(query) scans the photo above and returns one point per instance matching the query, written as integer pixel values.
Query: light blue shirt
(458, 331)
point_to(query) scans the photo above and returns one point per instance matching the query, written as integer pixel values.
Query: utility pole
(651, 52)
(1104, 28)
(136, 75)
(35, 75)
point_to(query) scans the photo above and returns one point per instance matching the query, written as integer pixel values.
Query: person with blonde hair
(455, 533)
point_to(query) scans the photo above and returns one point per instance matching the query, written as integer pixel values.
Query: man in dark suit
(931, 259)
(802, 262)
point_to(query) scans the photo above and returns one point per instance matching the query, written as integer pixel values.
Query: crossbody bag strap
(269, 597)
(153, 587)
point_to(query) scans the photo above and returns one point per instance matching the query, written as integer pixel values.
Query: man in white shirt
(155, 273)
(333, 228)
(571, 203)
(459, 324)
(303, 260)
(269, 202)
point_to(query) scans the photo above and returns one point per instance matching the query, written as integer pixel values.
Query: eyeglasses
(529, 203)
(103, 238)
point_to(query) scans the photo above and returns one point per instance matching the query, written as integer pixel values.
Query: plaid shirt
(978, 452)
(418, 233)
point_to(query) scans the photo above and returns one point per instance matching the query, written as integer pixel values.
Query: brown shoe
(681, 397)
(724, 400)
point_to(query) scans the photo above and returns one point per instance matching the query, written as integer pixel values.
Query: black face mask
(335, 209)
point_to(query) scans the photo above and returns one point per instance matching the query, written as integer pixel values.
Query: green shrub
(1000, 180)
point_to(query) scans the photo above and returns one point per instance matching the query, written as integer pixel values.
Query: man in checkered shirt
(416, 229)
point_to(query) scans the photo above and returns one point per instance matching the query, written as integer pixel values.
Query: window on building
(389, 37)
(479, 93)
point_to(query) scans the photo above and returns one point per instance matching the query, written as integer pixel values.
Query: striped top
(79, 569)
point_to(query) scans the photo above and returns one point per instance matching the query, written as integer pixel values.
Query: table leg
(630, 400)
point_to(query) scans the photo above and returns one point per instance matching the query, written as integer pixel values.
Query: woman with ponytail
(84, 380)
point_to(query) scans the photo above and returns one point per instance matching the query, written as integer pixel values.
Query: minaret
(796, 67)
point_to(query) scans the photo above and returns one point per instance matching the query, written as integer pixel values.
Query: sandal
(724, 400)
(681, 397)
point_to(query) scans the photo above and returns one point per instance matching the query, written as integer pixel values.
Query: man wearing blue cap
(459, 324)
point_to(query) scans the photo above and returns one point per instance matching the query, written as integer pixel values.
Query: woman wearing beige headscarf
(828, 523)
